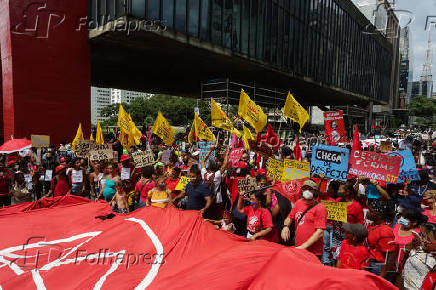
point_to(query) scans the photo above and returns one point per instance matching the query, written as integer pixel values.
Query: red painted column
(46, 72)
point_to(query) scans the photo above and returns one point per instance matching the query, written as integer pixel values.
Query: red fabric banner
(66, 247)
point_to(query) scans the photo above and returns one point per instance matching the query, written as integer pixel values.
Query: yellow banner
(251, 112)
(220, 119)
(275, 169)
(295, 111)
(247, 136)
(337, 211)
(202, 130)
(294, 169)
(182, 183)
(163, 129)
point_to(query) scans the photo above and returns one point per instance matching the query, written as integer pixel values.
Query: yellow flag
(91, 137)
(295, 111)
(220, 119)
(163, 129)
(191, 135)
(123, 120)
(79, 137)
(247, 136)
(99, 135)
(202, 130)
(251, 112)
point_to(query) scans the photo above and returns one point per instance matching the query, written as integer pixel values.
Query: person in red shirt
(353, 254)
(259, 220)
(171, 182)
(381, 239)
(60, 184)
(310, 219)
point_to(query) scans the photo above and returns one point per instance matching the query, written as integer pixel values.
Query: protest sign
(125, 173)
(40, 141)
(77, 176)
(334, 127)
(166, 156)
(83, 147)
(337, 211)
(330, 160)
(235, 155)
(386, 146)
(99, 155)
(375, 166)
(182, 183)
(295, 170)
(246, 184)
(408, 166)
(275, 169)
(143, 159)
(204, 147)
(48, 175)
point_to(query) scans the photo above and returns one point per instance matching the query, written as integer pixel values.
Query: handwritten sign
(275, 169)
(98, 155)
(375, 166)
(204, 149)
(40, 141)
(386, 146)
(330, 160)
(408, 166)
(182, 183)
(295, 170)
(77, 176)
(166, 156)
(337, 211)
(235, 155)
(48, 175)
(246, 184)
(125, 173)
(83, 147)
(143, 159)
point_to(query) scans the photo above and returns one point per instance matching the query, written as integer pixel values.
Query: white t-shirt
(217, 182)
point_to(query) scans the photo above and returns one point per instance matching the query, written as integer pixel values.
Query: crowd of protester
(390, 229)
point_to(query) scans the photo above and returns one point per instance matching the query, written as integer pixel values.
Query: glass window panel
(280, 38)
(138, 8)
(253, 27)
(120, 8)
(267, 33)
(205, 20)
(227, 25)
(236, 35)
(216, 21)
(274, 33)
(181, 15)
(245, 26)
(260, 29)
(194, 6)
(153, 9)
(168, 12)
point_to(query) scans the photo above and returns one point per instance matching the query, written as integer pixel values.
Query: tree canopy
(424, 109)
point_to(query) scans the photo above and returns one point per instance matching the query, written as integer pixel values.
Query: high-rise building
(406, 63)
(122, 96)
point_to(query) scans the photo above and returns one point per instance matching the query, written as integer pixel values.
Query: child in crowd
(119, 201)
(224, 224)
(160, 195)
(353, 254)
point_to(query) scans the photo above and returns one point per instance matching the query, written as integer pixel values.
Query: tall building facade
(122, 96)
(406, 64)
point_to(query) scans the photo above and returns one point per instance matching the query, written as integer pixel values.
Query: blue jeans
(326, 260)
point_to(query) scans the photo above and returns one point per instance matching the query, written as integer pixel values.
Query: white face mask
(307, 194)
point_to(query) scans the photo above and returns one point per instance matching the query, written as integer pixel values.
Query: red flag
(356, 140)
(297, 149)
(73, 243)
(271, 138)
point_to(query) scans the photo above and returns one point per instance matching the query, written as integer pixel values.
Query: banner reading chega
(330, 160)
(375, 166)
(251, 112)
(294, 169)
(335, 127)
(163, 129)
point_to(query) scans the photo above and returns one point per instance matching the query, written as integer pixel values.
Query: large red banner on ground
(375, 166)
(72, 243)
(335, 127)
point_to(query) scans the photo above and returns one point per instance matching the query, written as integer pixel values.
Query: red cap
(124, 157)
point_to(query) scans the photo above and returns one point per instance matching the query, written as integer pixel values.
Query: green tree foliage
(424, 109)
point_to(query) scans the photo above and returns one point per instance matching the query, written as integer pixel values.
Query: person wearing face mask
(198, 193)
(310, 219)
(259, 220)
(160, 195)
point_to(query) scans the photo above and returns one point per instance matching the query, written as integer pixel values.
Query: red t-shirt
(429, 281)
(353, 257)
(381, 240)
(143, 189)
(354, 213)
(431, 218)
(257, 219)
(62, 187)
(315, 218)
(401, 241)
(171, 185)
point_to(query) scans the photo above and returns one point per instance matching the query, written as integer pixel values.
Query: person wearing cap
(310, 218)
(60, 184)
(126, 168)
(353, 253)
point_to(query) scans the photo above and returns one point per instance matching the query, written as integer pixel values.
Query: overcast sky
(420, 9)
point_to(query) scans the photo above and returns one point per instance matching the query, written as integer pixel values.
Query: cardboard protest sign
(376, 166)
(182, 183)
(294, 169)
(275, 169)
(83, 147)
(143, 159)
(236, 154)
(99, 155)
(125, 173)
(330, 160)
(386, 146)
(166, 156)
(335, 127)
(40, 141)
(204, 147)
(337, 211)
(48, 175)
(408, 166)
(247, 184)
(77, 176)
